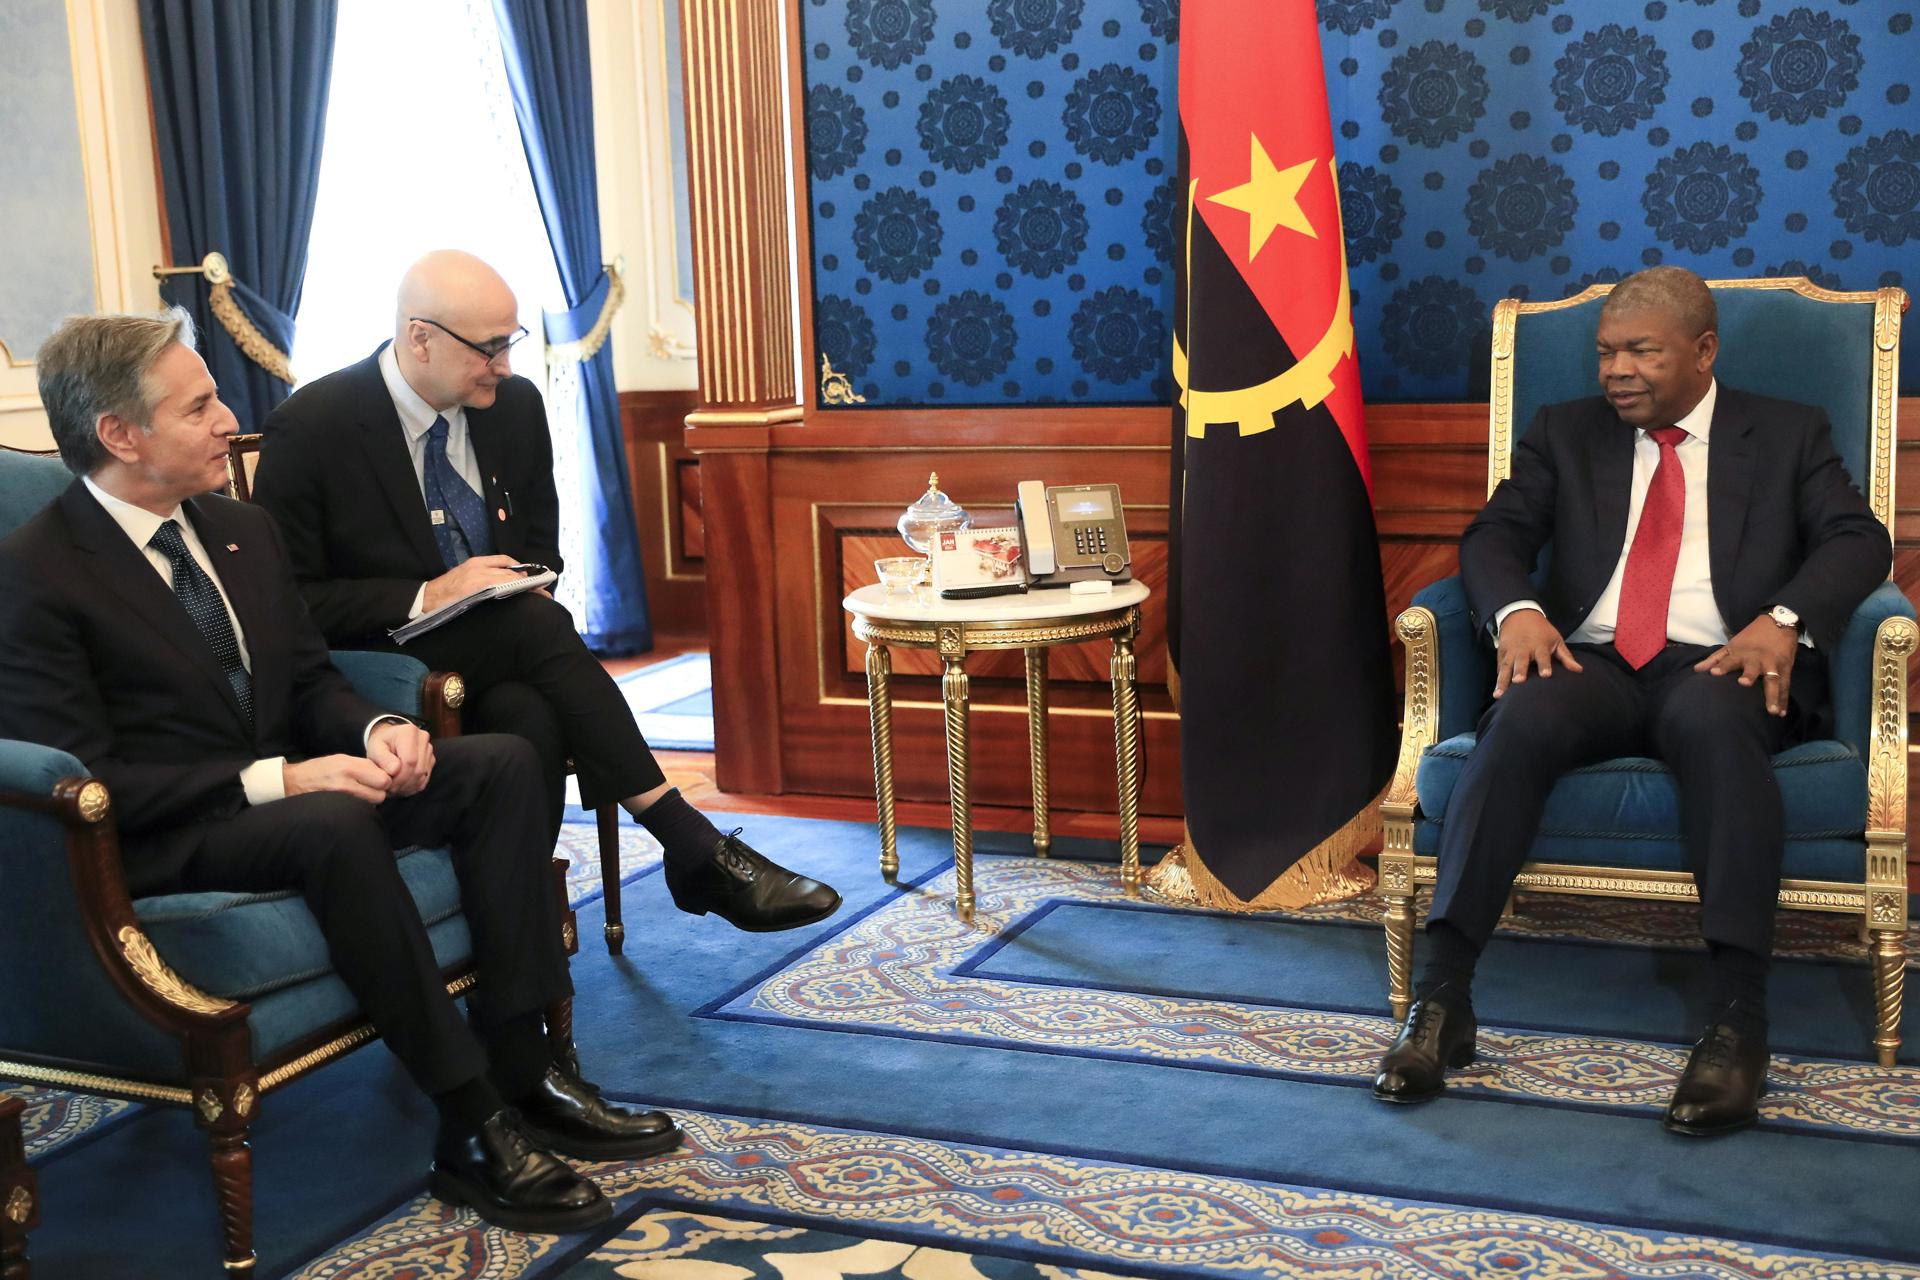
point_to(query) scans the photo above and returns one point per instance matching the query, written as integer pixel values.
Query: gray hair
(96, 365)
(1674, 291)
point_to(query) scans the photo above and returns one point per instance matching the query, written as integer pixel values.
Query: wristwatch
(1785, 617)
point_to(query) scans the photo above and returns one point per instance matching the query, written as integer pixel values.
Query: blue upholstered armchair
(204, 1000)
(1612, 829)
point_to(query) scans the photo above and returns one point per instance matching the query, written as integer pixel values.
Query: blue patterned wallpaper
(991, 183)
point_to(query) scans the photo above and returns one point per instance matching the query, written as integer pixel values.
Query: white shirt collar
(416, 415)
(137, 523)
(1699, 420)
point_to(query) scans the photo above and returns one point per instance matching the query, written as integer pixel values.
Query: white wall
(653, 333)
(116, 138)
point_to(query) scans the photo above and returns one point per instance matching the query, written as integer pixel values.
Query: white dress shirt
(1692, 615)
(416, 420)
(263, 780)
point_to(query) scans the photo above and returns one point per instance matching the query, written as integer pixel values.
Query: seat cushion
(247, 945)
(1626, 812)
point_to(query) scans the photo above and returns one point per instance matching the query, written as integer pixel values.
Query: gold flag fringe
(1329, 872)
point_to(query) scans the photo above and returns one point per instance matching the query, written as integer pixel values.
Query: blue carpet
(672, 702)
(1102, 1040)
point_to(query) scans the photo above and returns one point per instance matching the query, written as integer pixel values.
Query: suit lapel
(1612, 471)
(386, 446)
(129, 577)
(1729, 487)
(484, 434)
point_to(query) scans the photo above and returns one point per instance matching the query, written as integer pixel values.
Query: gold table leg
(880, 710)
(1037, 748)
(953, 688)
(1126, 725)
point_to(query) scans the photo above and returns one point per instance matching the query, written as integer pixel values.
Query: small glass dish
(899, 575)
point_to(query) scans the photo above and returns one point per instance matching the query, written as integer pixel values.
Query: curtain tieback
(576, 336)
(255, 345)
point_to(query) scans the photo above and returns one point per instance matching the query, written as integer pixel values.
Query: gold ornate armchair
(1611, 829)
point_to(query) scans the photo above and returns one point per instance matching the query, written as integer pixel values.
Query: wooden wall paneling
(664, 479)
(834, 513)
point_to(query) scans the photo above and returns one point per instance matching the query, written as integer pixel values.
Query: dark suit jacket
(335, 472)
(1785, 524)
(99, 658)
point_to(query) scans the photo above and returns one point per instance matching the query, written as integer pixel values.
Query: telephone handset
(1072, 533)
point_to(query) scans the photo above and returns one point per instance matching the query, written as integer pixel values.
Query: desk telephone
(1072, 533)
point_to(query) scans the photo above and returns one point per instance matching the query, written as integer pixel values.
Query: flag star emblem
(1270, 197)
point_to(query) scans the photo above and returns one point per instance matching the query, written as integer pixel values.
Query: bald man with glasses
(424, 473)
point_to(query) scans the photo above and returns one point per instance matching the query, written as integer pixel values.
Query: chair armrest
(1853, 672)
(84, 979)
(1463, 666)
(404, 686)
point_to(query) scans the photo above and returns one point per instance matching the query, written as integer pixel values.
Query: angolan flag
(1278, 624)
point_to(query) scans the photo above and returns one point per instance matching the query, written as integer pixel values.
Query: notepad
(448, 612)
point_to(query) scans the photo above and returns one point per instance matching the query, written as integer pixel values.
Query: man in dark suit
(424, 473)
(156, 632)
(1707, 551)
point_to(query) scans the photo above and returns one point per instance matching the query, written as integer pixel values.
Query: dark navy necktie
(462, 528)
(208, 611)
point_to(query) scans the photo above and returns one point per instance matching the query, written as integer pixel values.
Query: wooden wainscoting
(665, 479)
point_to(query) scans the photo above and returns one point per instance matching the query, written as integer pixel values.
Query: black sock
(518, 1055)
(684, 833)
(469, 1105)
(1451, 957)
(1740, 976)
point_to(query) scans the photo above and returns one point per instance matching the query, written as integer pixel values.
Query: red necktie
(1640, 629)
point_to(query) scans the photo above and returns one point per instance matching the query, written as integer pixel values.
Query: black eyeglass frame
(498, 348)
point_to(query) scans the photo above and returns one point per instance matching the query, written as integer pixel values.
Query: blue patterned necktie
(462, 528)
(207, 610)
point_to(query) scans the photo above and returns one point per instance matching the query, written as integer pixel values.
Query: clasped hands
(398, 762)
(1763, 653)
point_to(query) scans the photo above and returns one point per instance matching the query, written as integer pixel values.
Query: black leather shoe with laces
(510, 1182)
(1726, 1073)
(751, 892)
(567, 1115)
(1438, 1033)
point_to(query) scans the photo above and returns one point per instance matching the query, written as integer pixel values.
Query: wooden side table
(1033, 622)
(19, 1194)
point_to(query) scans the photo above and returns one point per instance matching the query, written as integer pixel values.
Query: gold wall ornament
(208, 1105)
(19, 1206)
(93, 801)
(836, 387)
(253, 344)
(588, 344)
(137, 950)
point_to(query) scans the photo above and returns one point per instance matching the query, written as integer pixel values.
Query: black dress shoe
(1438, 1033)
(510, 1182)
(752, 893)
(1720, 1090)
(567, 1115)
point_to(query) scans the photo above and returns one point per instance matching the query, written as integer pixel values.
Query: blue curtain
(545, 44)
(239, 110)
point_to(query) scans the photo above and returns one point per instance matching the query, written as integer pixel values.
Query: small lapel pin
(233, 546)
(500, 513)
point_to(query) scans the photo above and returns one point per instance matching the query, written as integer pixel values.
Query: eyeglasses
(490, 351)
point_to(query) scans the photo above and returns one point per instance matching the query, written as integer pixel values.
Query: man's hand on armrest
(1527, 639)
(466, 578)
